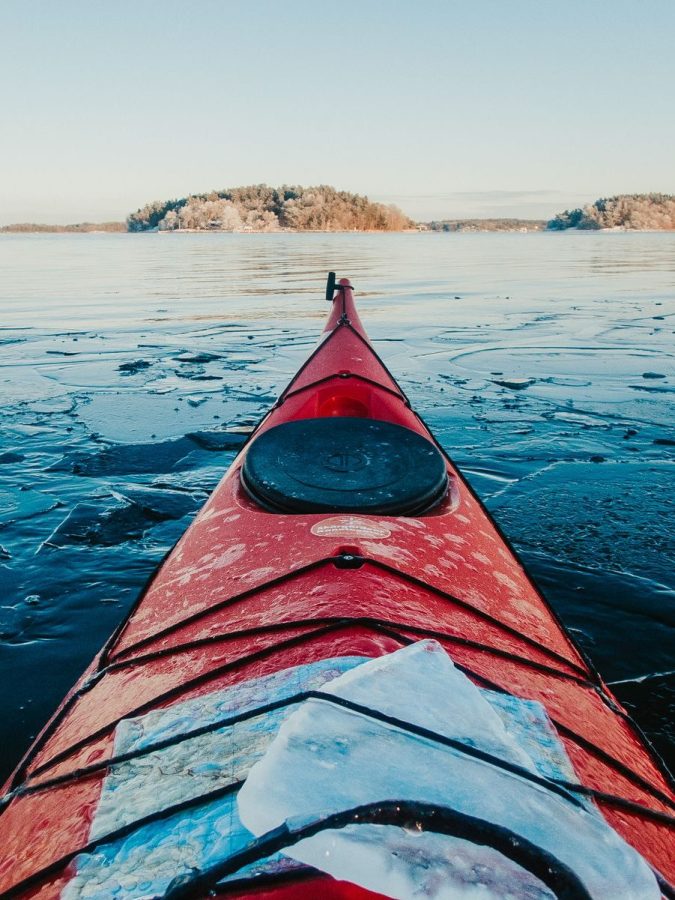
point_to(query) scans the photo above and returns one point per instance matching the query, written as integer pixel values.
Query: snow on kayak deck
(313, 758)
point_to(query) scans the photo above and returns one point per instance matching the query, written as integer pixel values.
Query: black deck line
(299, 639)
(558, 786)
(403, 813)
(180, 689)
(348, 376)
(264, 709)
(587, 745)
(224, 604)
(325, 561)
(418, 582)
(55, 867)
(363, 620)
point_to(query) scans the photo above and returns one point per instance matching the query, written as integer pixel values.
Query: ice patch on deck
(314, 758)
(145, 861)
(328, 759)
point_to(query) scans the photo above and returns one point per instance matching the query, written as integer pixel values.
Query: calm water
(131, 366)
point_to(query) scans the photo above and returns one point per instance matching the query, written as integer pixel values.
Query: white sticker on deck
(350, 526)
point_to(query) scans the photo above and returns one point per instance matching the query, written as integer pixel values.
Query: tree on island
(630, 211)
(262, 208)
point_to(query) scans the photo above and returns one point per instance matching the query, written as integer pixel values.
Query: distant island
(485, 225)
(79, 228)
(262, 208)
(259, 208)
(629, 212)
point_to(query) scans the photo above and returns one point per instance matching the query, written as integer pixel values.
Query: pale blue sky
(448, 107)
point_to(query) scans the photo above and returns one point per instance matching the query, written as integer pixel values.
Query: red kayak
(341, 683)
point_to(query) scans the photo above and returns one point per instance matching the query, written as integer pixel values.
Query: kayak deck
(249, 592)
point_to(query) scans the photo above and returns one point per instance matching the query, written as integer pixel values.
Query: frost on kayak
(314, 758)
(328, 759)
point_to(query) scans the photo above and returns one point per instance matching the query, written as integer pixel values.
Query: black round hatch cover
(344, 464)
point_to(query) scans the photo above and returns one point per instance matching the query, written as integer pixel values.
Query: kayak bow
(343, 572)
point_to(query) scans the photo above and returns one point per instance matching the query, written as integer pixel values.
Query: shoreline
(57, 230)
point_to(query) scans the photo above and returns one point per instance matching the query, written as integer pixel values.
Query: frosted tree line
(629, 211)
(261, 208)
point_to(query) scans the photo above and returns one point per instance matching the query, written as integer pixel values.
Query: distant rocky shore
(521, 225)
(79, 228)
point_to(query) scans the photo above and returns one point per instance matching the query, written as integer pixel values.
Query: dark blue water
(133, 366)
